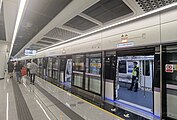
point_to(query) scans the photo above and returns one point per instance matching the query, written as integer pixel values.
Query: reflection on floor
(68, 84)
(136, 97)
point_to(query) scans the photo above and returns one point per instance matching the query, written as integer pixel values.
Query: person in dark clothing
(10, 68)
(18, 68)
(135, 77)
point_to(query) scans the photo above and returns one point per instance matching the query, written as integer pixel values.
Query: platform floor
(44, 101)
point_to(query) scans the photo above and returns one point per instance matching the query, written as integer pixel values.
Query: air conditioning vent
(148, 5)
(61, 34)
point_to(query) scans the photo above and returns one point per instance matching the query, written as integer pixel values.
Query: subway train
(101, 64)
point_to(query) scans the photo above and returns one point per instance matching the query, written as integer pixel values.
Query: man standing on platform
(33, 70)
(135, 77)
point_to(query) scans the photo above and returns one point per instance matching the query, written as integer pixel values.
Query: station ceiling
(47, 22)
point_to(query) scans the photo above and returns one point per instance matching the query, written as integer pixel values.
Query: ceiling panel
(39, 46)
(106, 10)
(61, 34)
(80, 23)
(50, 40)
(35, 48)
(46, 43)
(38, 14)
(2, 26)
(148, 5)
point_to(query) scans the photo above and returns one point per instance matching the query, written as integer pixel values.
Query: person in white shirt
(33, 70)
(28, 69)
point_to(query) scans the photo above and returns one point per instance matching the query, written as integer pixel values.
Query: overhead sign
(169, 68)
(30, 52)
(125, 44)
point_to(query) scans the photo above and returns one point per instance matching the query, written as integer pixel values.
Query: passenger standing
(10, 68)
(135, 77)
(33, 71)
(18, 68)
(28, 69)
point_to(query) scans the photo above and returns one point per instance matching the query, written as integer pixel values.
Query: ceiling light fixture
(19, 16)
(124, 21)
(0, 6)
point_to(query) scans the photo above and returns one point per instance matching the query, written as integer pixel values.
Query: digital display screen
(30, 52)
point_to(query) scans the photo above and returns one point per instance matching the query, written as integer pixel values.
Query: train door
(68, 70)
(169, 78)
(134, 78)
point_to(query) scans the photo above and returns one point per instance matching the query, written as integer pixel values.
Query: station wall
(3, 60)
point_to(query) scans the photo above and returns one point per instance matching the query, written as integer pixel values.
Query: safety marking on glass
(169, 68)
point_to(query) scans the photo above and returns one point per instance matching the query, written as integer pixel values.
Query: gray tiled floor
(7, 105)
(30, 98)
(41, 108)
(84, 109)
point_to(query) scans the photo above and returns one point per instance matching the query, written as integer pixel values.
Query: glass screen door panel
(55, 69)
(93, 73)
(49, 67)
(78, 70)
(62, 69)
(170, 79)
(45, 66)
(68, 71)
(40, 66)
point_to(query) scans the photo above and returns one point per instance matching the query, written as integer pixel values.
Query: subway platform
(45, 101)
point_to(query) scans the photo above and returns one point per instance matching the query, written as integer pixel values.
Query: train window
(122, 66)
(146, 64)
